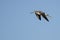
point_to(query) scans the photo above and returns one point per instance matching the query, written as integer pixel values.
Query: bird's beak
(32, 12)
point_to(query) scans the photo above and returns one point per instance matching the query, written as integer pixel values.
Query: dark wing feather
(44, 16)
(38, 16)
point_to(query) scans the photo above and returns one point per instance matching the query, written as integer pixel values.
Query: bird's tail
(48, 16)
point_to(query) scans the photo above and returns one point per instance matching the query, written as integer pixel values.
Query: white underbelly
(39, 13)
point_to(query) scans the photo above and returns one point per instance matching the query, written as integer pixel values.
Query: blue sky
(17, 22)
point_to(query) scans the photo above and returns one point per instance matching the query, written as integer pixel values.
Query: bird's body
(40, 13)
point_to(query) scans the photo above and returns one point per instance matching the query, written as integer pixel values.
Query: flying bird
(41, 13)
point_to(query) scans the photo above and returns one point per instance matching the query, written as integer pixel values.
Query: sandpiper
(41, 13)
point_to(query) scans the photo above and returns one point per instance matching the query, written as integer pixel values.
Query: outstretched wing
(44, 16)
(38, 16)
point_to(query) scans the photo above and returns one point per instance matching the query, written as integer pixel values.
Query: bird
(41, 13)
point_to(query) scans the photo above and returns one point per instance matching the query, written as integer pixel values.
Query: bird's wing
(44, 16)
(38, 16)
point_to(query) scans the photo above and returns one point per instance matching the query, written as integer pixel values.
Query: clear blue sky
(16, 22)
